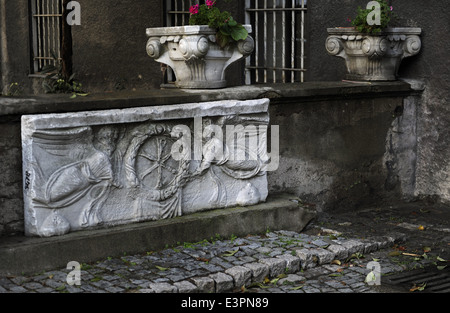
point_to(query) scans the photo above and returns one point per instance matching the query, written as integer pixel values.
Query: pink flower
(210, 3)
(392, 9)
(194, 9)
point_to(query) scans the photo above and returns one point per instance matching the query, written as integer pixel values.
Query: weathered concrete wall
(109, 46)
(14, 45)
(431, 67)
(11, 195)
(345, 153)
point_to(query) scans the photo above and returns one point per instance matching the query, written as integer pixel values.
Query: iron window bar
(46, 27)
(274, 58)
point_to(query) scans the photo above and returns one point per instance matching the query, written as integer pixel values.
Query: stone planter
(373, 57)
(194, 56)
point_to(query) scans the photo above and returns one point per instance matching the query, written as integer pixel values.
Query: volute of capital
(190, 46)
(374, 46)
(334, 45)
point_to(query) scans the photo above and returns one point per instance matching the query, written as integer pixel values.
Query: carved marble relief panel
(104, 168)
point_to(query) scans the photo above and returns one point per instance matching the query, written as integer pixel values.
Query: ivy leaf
(239, 33)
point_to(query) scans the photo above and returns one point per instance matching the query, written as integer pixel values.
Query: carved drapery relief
(103, 175)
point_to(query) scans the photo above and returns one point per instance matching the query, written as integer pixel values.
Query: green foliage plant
(360, 21)
(56, 82)
(14, 90)
(228, 29)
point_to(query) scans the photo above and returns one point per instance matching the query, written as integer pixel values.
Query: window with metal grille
(177, 11)
(46, 27)
(279, 33)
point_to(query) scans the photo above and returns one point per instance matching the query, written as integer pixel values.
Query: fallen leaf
(426, 249)
(337, 262)
(161, 268)
(370, 277)
(260, 285)
(418, 287)
(441, 267)
(421, 227)
(356, 255)
(60, 288)
(440, 259)
(231, 253)
(203, 259)
(298, 287)
(340, 270)
(411, 254)
(274, 281)
(395, 253)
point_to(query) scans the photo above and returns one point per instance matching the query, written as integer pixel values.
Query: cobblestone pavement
(276, 262)
(330, 256)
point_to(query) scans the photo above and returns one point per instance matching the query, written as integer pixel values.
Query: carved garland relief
(93, 176)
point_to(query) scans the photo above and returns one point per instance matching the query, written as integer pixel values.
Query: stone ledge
(31, 255)
(278, 93)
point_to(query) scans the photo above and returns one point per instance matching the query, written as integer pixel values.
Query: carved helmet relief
(86, 176)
